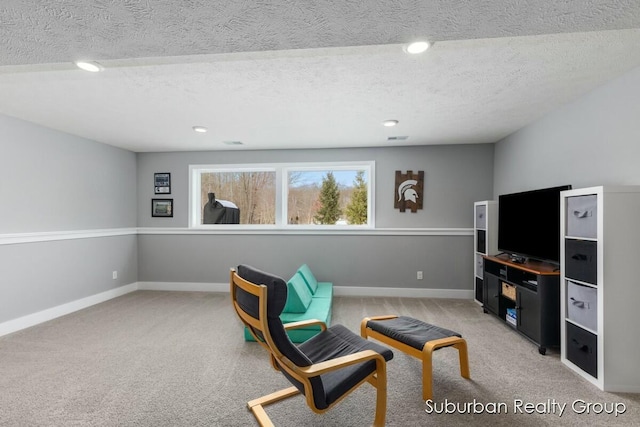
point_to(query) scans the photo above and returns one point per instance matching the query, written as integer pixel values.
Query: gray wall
(361, 261)
(55, 182)
(592, 141)
(455, 177)
(52, 181)
(39, 276)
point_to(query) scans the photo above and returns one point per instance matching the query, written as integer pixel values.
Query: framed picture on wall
(162, 207)
(162, 183)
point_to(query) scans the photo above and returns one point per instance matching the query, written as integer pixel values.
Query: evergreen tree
(357, 208)
(329, 201)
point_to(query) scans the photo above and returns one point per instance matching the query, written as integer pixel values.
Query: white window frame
(282, 193)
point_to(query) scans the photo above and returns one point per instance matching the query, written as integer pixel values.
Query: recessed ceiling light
(417, 47)
(91, 66)
(200, 129)
(389, 123)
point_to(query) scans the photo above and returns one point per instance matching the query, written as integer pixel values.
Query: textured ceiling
(292, 74)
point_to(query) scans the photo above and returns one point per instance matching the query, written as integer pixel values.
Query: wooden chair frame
(426, 354)
(377, 379)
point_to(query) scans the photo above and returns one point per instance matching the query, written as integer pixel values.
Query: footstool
(418, 339)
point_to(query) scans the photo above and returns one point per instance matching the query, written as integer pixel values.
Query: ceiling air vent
(397, 138)
(232, 142)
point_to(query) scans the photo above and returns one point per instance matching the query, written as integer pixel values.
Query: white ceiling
(291, 74)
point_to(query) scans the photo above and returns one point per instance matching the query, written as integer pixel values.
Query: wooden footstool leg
(427, 372)
(464, 358)
(427, 363)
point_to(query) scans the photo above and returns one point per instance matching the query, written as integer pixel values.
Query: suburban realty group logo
(519, 406)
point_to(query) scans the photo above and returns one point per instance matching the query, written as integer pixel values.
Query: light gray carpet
(178, 359)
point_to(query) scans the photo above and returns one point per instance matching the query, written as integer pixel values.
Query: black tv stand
(531, 290)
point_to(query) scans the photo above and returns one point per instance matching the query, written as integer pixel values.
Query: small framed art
(162, 183)
(162, 207)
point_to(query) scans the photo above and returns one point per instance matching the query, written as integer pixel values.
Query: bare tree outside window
(302, 198)
(254, 193)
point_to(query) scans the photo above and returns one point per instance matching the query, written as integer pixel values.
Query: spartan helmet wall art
(408, 191)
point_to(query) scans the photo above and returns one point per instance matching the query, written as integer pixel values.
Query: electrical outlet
(419, 275)
(115, 275)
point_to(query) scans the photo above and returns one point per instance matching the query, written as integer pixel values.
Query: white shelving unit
(485, 240)
(600, 285)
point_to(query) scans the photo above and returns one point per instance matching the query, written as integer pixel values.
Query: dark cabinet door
(491, 292)
(528, 312)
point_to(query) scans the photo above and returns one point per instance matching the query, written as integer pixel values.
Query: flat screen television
(529, 224)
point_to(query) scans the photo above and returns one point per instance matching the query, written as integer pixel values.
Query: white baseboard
(29, 320)
(355, 291)
(622, 388)
(362, 291)
(183, 286)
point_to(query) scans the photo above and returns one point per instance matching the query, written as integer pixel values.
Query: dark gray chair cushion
(339, 341)
(276, 291)
(410, 331)
(276, 299)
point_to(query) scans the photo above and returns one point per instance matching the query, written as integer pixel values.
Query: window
(284, 195)
(328, 196)
(233, 196)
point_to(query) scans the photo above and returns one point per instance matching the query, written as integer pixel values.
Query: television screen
(529, 223)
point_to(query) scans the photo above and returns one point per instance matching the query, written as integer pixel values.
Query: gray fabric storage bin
(582, 305)
(481, 216)
(479, 266)
(582, 216)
